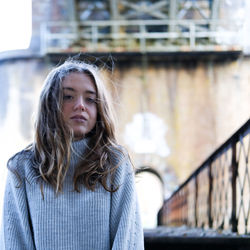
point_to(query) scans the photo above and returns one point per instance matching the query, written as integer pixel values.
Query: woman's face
(79, 103)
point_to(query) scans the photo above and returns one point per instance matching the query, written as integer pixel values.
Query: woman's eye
(67, 97)
(90, 100)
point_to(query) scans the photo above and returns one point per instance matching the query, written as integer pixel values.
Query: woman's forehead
(79, 80)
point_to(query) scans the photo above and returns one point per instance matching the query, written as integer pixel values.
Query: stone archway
(150, 189)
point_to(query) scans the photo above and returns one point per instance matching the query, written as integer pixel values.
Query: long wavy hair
(53, 138)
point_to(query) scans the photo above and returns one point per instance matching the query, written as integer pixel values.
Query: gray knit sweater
(88, 220)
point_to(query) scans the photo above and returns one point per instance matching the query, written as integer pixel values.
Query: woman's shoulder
(22, 162)
(117, 153)
(120, 157)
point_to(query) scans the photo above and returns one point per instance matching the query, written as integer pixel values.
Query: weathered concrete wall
(195, 108)
(200, 104)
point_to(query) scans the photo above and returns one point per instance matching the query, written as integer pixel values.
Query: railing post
(43, 39)
(210, 190)
(142, 38)
(94, 35)
(234, 169)
(192, 36)
(196, 201)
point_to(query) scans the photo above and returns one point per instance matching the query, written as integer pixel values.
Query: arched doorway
(149, 185)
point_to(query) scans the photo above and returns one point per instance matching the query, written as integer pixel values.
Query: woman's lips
(78, 118)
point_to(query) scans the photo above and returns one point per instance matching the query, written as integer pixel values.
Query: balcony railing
(217, 194)
(139, 36)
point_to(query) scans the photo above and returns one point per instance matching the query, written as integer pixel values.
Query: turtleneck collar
(79, 146)
(78, 149)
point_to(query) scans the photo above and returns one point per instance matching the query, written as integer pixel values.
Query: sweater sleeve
(16, 233)
(126, 229)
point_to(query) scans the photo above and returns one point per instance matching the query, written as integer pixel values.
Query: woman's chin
(78, 136)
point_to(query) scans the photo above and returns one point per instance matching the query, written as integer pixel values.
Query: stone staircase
(184, 238)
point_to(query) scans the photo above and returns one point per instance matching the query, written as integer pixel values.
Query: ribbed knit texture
(88, 220)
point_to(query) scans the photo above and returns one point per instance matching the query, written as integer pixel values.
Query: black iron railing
(217, 194)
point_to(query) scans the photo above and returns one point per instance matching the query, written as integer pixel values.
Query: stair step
(185, 238)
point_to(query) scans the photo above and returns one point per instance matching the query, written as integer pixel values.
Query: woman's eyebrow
(68, 88)
(91, 92)
(87, 91)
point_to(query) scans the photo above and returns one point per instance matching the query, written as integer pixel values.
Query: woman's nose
(80, 104)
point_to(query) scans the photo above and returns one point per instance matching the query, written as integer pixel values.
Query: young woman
(73, 188)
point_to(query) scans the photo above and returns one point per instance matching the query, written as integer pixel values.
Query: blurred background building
(178, 72)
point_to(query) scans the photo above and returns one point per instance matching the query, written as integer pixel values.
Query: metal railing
(217, 194)
(139, 36)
